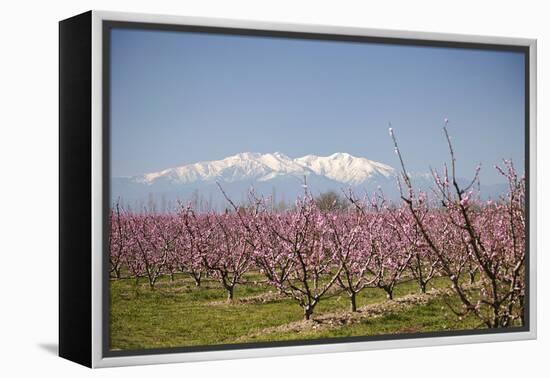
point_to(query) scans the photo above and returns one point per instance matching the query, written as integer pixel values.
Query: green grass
(179, 314)
(434, 316)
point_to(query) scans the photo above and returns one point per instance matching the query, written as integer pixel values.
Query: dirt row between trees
(269, 296)
(343, 318)
(272, 296)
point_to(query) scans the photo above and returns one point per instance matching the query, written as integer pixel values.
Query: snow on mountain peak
(345, 168)
(341, 167)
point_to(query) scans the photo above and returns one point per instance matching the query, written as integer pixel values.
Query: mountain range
(274, 174)
(340, 167)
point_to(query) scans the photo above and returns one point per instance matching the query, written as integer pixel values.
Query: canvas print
(272, 190)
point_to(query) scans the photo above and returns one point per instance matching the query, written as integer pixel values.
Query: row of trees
(312, 250)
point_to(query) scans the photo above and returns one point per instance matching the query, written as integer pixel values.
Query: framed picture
(234, 189)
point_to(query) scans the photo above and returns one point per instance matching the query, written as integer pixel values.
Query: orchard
(308, 254)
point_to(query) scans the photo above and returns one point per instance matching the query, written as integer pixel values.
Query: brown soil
(270, 296)
(342, 318)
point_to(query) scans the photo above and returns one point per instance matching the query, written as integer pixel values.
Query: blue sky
(181, 97)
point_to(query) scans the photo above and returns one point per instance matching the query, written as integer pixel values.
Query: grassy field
(178, 314)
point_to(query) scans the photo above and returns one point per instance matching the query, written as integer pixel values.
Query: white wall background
(28, 184)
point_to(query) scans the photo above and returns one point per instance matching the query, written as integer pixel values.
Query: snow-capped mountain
(340, 167)
(273, 174)
(345, 168)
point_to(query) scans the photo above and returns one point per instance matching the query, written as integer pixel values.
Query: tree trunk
(136, 286)
(522, 309)
(423, 287)
(308, 311)
(389, 293)
(353, 301)
(230, 294)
